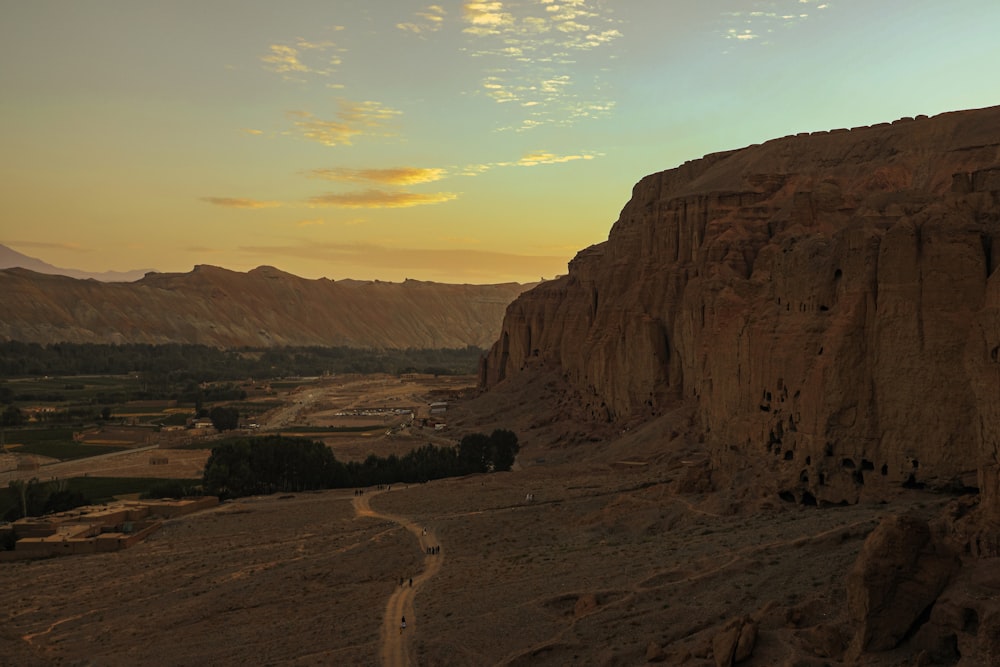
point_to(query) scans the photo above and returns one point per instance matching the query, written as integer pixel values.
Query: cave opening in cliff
(970, 621)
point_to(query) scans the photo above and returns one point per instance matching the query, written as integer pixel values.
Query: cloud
(486, 18)
(394, 176)
(381, 199)
(544, 157)
(530, 53)
(294, 61)
(250, 131)
(239, 202)
(367, 261)
(532, 159)
(353, 119)
(429, 20)
(766, 17)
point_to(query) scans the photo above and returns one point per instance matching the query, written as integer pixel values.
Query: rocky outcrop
(828, 300)
(734, 643)
(894, 583)
(262, 308)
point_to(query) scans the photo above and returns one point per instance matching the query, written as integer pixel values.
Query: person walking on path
(402, 625)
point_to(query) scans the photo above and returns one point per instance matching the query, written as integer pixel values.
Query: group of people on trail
(430, 551)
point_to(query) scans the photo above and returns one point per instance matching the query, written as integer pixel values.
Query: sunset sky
(464, 142)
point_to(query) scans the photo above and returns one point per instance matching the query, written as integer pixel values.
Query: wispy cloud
(352, 119)
(469, 264)
(239, 202)
(764, 18)
(532, 159)
(531, 51)
(251, 131)
(544, 157)
(486, 18)
(381, 199)
(430, 19)
(393, 176)
(303, 57)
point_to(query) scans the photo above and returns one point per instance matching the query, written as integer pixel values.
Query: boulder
(734, 642)
(895, 581)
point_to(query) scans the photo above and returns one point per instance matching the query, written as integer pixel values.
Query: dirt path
(395, 643)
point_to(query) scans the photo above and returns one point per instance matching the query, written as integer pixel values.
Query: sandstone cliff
(264, 307)
(827, 300)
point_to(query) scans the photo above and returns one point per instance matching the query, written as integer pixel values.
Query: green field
(99, 490)
(56, 443)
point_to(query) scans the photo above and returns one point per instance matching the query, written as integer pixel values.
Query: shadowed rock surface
(261, 308)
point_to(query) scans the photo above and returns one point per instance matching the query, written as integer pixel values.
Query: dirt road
(395, 642)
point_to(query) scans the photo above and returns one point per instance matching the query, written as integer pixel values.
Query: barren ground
(609, 558)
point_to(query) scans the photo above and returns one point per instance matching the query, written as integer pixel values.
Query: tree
(474, 453)
(224, 418)
(12, 416)
(20, 489)
(503, 449)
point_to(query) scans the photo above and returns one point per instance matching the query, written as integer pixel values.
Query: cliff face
(829, 301)
(264, 307)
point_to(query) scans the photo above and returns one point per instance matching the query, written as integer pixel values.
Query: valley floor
(605, 563)
(585, 554)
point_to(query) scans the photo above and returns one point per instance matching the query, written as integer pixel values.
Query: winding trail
(395, 646)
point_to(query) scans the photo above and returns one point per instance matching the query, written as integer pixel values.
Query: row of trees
(272, 464)
(36, 498)
(176, 364)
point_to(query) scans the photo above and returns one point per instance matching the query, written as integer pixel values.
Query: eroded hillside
(262, 308)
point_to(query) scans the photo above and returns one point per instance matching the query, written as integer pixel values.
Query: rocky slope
(828, 300)
(264, 307)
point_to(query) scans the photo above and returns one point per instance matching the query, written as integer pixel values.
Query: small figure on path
(411, 582)
(402, 625)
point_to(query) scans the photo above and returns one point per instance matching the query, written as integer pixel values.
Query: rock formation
(900, 573)
(827, 300)
(262, 308)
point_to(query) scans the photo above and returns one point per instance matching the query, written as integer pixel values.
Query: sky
(459, 142)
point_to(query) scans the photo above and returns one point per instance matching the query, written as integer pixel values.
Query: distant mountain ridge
(10, 258)
(261, 308)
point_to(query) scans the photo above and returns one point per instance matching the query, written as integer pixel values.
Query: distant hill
(261, 308)
(10, 258)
